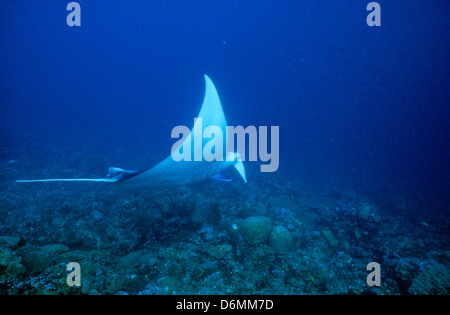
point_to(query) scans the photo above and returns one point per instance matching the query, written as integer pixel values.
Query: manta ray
(170, 172)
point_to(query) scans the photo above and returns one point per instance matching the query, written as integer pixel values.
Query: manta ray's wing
(170, 172)
(173, 173)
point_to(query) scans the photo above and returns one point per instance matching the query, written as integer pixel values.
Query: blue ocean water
(362, 111)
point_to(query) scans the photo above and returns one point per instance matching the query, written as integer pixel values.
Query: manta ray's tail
(66, 180)
(115, 175)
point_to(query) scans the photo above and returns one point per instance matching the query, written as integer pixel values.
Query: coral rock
(12, 242)
(330, 238)
(14, 269)
(281, 240)
(220, 251)
(256, 229)
(364, 212)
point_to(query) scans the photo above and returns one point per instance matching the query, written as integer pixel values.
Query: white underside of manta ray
(175, 173)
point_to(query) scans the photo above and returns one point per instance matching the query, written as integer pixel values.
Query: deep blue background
(357, 105)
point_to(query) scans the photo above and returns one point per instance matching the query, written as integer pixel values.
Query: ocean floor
(274, 235)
